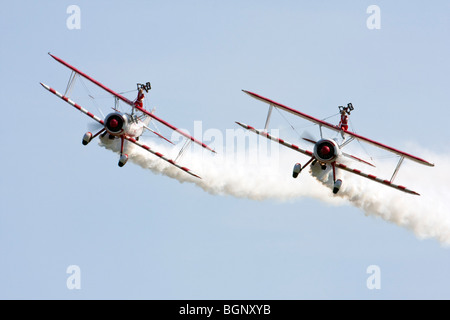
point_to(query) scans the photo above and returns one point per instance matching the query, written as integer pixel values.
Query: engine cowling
(326, 150)
(115, 123)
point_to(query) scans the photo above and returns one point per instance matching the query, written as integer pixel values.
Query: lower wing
(374, 178)
(145, 147)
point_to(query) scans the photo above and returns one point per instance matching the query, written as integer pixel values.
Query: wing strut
(187, 143)
(72, 78)
(346, 142)
(269, 113)
(397, 168)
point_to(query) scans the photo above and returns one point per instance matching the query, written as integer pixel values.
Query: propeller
(308, 136)
(94, 126)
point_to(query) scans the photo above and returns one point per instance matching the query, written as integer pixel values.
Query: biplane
(126, 126)
(327, 152)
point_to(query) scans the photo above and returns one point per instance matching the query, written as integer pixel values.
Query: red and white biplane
(328, 152)
(123, 125)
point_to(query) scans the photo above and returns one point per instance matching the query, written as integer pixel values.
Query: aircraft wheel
(337, 186)
(86, 138)
(297, 170)
(123, 160)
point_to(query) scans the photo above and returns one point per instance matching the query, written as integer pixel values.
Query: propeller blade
(94, 126)
(307, 136)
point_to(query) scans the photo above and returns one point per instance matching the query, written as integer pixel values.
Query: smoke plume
(269, 176)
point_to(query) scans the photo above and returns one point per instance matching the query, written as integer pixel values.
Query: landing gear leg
(338, 182)
(88, 137)
(298, 167)
(123, 157)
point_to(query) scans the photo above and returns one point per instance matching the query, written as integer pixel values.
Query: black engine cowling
(115, 123)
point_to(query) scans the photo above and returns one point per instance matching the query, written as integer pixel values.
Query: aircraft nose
(113, 123)
(325, 150)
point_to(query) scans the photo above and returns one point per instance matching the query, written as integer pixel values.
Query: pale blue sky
(135, 234)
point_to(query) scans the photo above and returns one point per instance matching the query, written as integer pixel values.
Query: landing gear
(337, 183)
(298, 167)
(297, 170)
(122, 160)
(86, 138)
(337, 186)
(123, 157)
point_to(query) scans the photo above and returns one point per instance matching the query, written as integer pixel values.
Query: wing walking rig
(125, 126)
(327, 152)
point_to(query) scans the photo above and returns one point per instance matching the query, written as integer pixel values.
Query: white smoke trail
(236, 174)
(266, 177)
(428, 215)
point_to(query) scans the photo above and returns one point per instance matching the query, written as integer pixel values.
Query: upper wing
(293, 111)
(337, 128)
(131, 103)
(174, 128)
(92, 80)
(390, 149)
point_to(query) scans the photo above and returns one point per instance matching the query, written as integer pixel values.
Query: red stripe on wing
(92, 80)
(161, 156)
(174, 128)
(376, 179)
